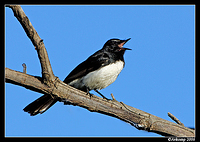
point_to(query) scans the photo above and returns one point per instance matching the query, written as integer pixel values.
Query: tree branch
(175, 119)
(47, 73)
(72, 96)
(24, 68)
(49, 84)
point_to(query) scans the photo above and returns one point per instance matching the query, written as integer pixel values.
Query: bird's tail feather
(40, 105)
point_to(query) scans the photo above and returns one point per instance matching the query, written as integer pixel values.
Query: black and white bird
(95, 73)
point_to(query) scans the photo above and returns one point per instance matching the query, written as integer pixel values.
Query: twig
(113, 97)
(175, 119)
(24, 68)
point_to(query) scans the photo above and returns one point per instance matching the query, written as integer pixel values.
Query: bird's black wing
(94, 62)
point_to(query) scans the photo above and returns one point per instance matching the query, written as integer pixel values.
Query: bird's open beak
(122, 43)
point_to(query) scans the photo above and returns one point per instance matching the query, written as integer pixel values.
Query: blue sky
(159, 75)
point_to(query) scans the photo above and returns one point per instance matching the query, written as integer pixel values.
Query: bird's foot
(88, 93)
(91, 95)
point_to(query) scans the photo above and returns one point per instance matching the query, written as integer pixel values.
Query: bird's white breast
(104, 76)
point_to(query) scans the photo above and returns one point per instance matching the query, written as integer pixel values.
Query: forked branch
(47, 73)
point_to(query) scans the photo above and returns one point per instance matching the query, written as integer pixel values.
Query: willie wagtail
(95, 73)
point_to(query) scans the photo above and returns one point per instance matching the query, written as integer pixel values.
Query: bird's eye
(112, 48)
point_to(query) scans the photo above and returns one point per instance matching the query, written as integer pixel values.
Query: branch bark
(175, 119)
(49, 84)
(47, 73)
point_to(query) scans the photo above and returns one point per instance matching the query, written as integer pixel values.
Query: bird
(95, 73)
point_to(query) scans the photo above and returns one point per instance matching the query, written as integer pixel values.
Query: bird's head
(116, 45)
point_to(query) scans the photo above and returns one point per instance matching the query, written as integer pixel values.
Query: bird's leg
(88, 93)
(102, 95)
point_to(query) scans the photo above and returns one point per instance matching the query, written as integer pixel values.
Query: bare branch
(33, 83)
(175, 119)
(47, 73)
(71, 96)
(113, 96)
(24, 68)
